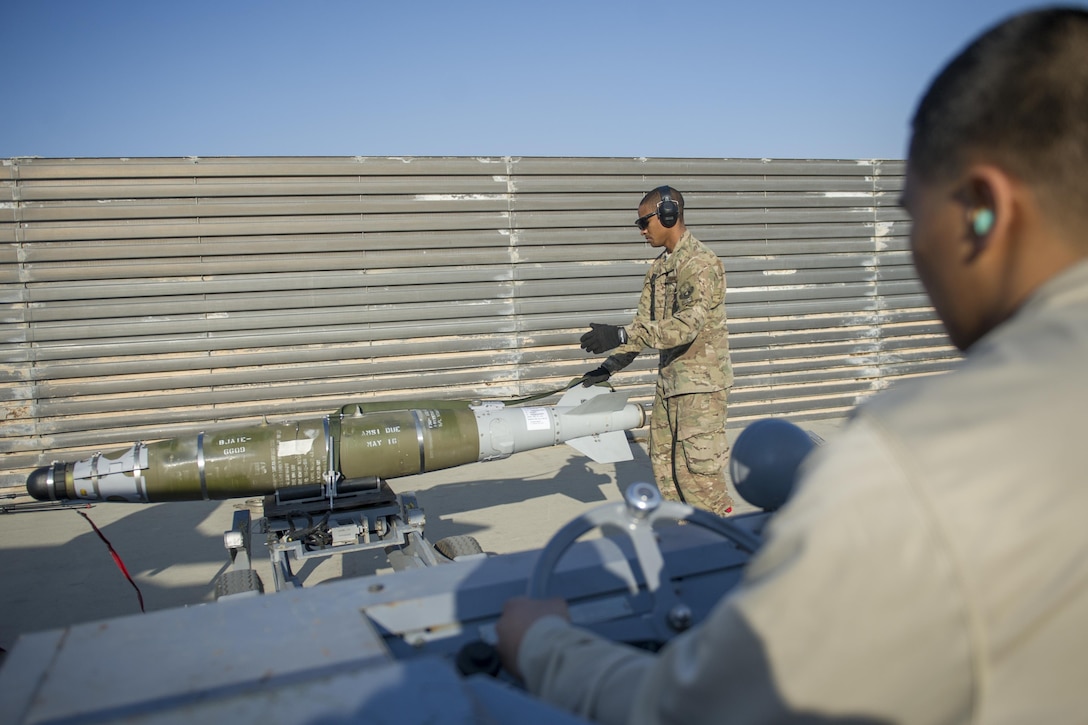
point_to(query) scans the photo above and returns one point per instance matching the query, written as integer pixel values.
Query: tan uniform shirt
(932, 566)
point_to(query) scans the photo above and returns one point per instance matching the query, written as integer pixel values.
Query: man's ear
(986, 197)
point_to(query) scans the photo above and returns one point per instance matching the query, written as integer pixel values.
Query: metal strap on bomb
(49, 482)
(419, 438)
(332, 464)
(94, 473)
(200, 466)
(137, 472)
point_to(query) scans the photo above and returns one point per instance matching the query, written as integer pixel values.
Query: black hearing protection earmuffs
(668, 211)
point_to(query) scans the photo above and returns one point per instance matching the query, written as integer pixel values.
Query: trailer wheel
(453, 547)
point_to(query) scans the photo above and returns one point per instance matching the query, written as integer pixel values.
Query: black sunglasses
(644, 221)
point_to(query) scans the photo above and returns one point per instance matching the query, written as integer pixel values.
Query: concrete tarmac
(57, 571)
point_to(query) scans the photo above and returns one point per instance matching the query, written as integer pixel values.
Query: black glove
(593, 377)
(603, 337)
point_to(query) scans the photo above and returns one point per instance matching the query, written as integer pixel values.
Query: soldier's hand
(603, 337)
(593, 377)
(518, 615)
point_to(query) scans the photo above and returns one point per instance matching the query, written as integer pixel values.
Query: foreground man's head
(997, 174)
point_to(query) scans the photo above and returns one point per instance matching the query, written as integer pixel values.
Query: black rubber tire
(452, 547)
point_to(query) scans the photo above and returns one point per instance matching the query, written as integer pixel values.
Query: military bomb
(364, 441)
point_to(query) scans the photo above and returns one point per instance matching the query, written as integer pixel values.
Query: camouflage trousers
(689, 451)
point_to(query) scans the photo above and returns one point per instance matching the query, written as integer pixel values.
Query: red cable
(116, 558)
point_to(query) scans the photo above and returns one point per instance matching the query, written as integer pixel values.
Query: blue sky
(701, 78)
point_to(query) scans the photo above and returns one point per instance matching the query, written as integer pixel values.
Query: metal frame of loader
(320, 520)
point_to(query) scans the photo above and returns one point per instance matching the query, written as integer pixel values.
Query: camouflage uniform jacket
(682, 315)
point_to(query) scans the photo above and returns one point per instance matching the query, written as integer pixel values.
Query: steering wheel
(635, 518)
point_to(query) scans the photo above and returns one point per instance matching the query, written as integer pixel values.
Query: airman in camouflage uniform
(682, 315)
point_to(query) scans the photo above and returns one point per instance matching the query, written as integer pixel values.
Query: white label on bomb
(537, 418)
(295, 448)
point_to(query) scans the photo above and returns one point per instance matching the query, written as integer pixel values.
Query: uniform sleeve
(850, 610)
(581, 672)
(700, 286)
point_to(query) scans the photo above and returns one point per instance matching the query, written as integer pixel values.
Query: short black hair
(654, 197)
(1016, 96)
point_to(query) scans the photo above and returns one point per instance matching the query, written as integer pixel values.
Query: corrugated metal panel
(143, 298)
